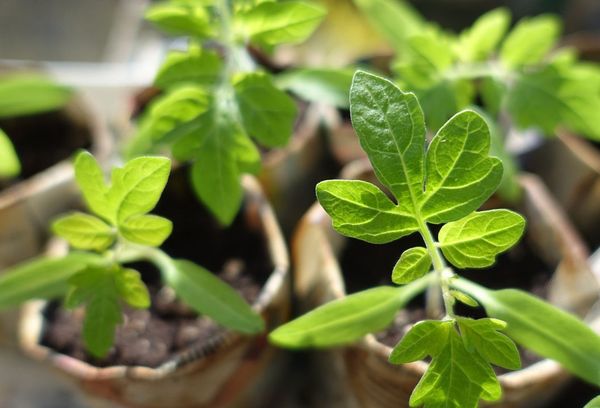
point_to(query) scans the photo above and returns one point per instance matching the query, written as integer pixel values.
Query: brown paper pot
(228, 370)
(570, 167)
(27, 206)
(363, 370)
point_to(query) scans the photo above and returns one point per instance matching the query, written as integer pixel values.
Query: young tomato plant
(120, 231)
(216, 98)
(444, 184)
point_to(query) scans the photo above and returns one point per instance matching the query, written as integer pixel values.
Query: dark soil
(150, 337)
(45, 139)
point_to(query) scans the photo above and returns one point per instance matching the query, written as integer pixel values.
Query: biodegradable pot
(228, 370)
(570, 167)
(362, 368)
(27, 206)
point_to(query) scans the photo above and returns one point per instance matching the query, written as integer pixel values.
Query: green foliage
(442, 183)
(595, 403)
(27, 94)
(9, 161)
(119, 232)
(320, 85)
(216, 107)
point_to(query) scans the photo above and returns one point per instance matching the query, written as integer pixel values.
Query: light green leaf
(246, 153)
(463, 298)
(29, 94)
(456, 377)
(90, 180)
(474, 241)
(136, 187)
(425, 61)
(42, 278)
(541, 328)
(595, 403)
(460, 173)
(346, 320)
(180, 18)
(208, 125)
(84, 231)
(426, 337)
(131, 288)
(200, 68)
(267, 113)
(395, 20)
(9, 161)
(361, 210)
(479, 41)
(320, 85)
(273, 23)
(149, 230)
(209, 295)
(485, 336)
(391, 130)
(530, 41)
(413, 263)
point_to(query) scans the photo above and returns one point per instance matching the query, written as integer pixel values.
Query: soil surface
(150, 337)
(45, 139)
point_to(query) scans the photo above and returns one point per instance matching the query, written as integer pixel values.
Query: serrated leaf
(29, 94)
(541, 328)
(361, 210)
(463, 298)
(90, 180)
(460, 173)
(530, 40)
(42, 278)
(209, 295)
(425, 338)
(180, 18)
(320, 85)
(346, 320)
(485, 336)
(131, 288)
(479, 41)
(149, 230)
(84, 231)
(200, 68)
(272, 23)
(137, 186)
(474, 241)
(267, 113)
(9, 161)
(413, 263)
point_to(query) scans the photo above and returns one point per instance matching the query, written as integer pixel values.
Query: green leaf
(361, 210)
(272, 23)
(391, 130)
(9, 161)
(424, 338)
(595, 403)
(463, 298)
(346, 320)
(395, 20)
(149, 230)
(200, 68)
(456, 377)
(413, 263)
(42, 278)
(474, 241)
(484, 335)
(137, 186)
(455, 185)
(84, 231)
(479, 41)
(131, 288)
(542, 328)
(320, 85)
(102, 315)
(180, 18)
(90, 180)
(427, 57)
(493, 91)
(29, 94)
(267, 113)
(246, 153)
(209, 295)
(530, 41)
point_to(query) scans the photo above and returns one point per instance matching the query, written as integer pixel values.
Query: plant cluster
(118, 232)
(445, 184)
(216, 98)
